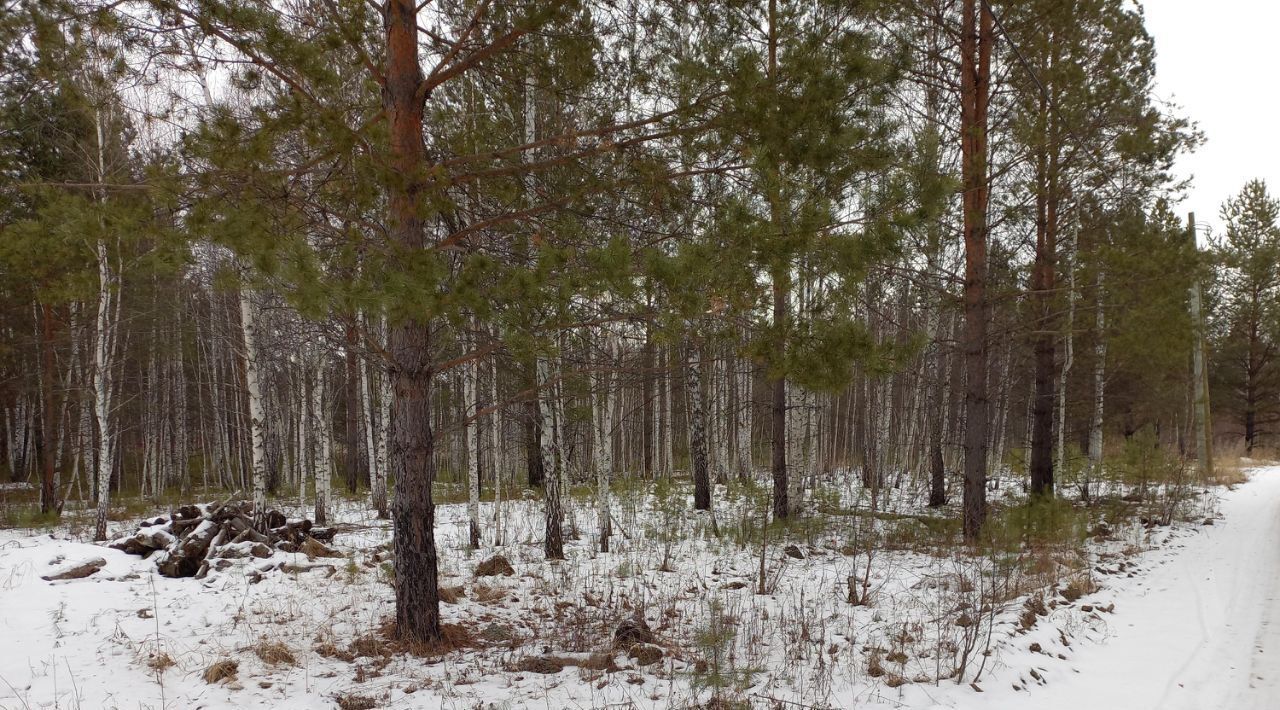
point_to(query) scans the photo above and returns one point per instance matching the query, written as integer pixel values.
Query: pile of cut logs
(195, 538)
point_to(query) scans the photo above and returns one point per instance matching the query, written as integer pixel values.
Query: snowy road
(1200, 632)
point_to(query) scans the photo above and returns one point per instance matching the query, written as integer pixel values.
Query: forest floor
(1147, 616)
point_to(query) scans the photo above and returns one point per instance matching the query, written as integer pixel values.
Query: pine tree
(1247, 312)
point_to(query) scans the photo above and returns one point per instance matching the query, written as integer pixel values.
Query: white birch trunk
(257, 414)
(376, 433)
(604, 447)
(104, 442)
(1099, 389)
(384, 423)
(1068, 358)
(471, 432)
(322, 449)
(553, 542)
(500, 460)
(104, 352)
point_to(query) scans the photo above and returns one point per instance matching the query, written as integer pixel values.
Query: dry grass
(486, 594)
(1230, 461)
(451, 595)
(274, 653)
(1228, 471)
(367, 646)
(388, 642)
(1078, 586)
(552, 664)
(160, 662)
(355, 702)
(222, 670)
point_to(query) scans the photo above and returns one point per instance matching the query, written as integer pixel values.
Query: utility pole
(1199, 374)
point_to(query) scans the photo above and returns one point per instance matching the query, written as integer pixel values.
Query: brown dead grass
(551, 664)
(161, 662)
(451, 595)
(1228, 471)
(274, 653)
(1078, 586)
(329, 649)
(355, 702)
(1230, 464)
(222, 670)
(389, 641)
(486, 594)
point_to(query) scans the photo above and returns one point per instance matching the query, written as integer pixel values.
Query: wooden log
(323, 534)
(184, 557)
(212, 548)
(74, 570)
(252, 535)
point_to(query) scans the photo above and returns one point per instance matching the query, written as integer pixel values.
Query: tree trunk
(744, 411)
(604, 447)
(323, 442)
(697, 431)
(976, 38)
(1042, 287)
(103, 384)
(375, 430)
(553, 541)
(412, 460)
(778, 403)
(351, 459)
(49, 503)
(380, 494)
(1068, 359)
(534, 464)
(1099, 389)
(257, 416)
(470, 398)
(647, 442)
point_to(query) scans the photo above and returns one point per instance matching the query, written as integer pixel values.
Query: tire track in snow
(1199, 633)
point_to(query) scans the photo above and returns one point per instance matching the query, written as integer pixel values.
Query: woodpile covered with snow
(195, 538)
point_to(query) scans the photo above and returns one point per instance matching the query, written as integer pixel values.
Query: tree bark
(412, 461)
(745, 407)
(49, 503)
(1043, 284)
(1068, 358)
(697, 431)
(553, 541)
(1099, 387)
(778, 406)
(470, 397)
(257, 415)
(976, 38)
(604, 447)
(352, 460)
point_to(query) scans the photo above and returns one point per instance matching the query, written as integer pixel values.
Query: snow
(1200, 630)
(1190, 626)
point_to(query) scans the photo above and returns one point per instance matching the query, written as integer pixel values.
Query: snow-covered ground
(1181, 619)
(1201, 629)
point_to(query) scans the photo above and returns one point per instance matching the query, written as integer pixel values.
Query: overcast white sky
(1220, 60)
